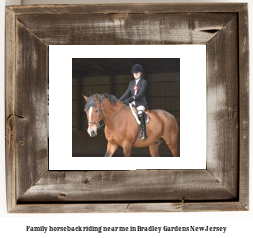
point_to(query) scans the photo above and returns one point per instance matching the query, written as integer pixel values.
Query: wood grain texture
(140, 185)
(244, 106)
(9, 108)
(223, 186)
(186, 207)
(154, 8)
(115, 29)
(70, 208)
(30, 108)
(222, 107)
(129, 207)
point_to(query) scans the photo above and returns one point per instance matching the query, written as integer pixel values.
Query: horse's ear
(96, 98)
(86, 98)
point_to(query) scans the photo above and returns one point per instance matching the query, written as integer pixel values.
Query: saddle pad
(136, 116)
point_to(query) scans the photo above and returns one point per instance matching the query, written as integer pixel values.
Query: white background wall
(239, 223)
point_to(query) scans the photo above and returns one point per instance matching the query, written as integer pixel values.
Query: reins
(99, 126)
(100, 110)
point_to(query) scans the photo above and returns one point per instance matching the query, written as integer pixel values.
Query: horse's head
(94, 113)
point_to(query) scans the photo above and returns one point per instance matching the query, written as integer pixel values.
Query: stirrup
(143, 136)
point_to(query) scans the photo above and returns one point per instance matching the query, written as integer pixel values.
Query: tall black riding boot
(143, 127)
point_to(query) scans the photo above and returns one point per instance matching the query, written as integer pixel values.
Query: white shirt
(137, 80)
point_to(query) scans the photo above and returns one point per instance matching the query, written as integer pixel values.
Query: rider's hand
(128, 100)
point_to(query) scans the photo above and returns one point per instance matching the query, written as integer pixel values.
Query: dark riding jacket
(140, 97)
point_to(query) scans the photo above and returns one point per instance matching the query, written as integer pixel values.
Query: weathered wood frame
(222, 186)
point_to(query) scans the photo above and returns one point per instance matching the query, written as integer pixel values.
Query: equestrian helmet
(137, 68)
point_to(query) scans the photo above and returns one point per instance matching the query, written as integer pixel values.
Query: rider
(137, 88)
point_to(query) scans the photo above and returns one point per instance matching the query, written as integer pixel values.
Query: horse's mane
(92, 103)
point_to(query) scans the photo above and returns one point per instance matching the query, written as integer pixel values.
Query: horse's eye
(96, 111)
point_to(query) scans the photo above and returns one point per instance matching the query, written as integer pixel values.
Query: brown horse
(121, 127)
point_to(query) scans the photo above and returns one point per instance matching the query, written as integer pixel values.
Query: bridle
(100, 111)
(97, 123)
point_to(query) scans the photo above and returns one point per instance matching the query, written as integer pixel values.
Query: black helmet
(137, 68)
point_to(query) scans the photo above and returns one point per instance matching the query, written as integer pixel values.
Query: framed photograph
(111, 76)
(195, 60)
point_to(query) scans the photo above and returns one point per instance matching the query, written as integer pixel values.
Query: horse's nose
(93, 133)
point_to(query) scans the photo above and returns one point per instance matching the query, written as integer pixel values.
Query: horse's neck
(109, 111)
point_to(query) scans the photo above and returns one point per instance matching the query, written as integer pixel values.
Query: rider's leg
(141, 110)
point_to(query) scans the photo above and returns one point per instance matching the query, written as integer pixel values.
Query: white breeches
(139, 109)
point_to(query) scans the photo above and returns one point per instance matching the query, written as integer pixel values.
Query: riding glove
(128, 100)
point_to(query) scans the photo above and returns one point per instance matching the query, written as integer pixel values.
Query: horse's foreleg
(127, 147)
(111, 148)
(154, 150)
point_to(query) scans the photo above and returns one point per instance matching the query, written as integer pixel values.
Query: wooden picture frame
(223, 186)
